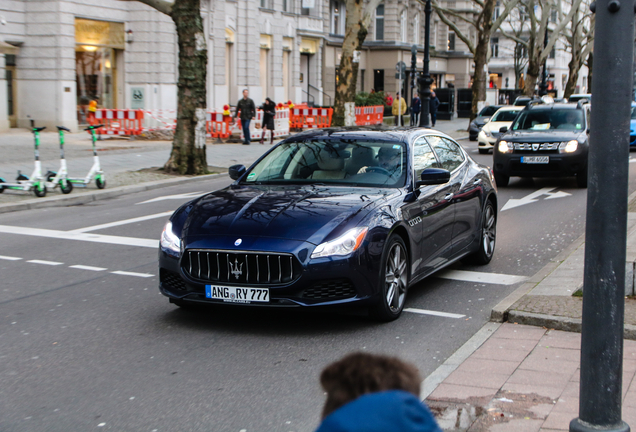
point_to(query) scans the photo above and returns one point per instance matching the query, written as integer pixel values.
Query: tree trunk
(574, 66)
(590, 68)
(347, 77)
(188, 148)
(479, 79)
(534, 66)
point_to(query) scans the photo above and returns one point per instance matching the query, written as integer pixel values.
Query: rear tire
(487, 237)
(1, 187)
(101, 184)
(581, 178)
(483, 151)
(39, 193)
(69, 187)
(501, 180)
(394, 281)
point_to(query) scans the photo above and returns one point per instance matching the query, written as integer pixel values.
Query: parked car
(522, 101)
(632, 127)
(581, 96)
(481, 119)
(331, 218)
(545, 140)
(490, 132)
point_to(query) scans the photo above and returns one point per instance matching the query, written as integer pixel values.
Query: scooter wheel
(69, 187)
(39, 193)
(1, 187)
(101, 184)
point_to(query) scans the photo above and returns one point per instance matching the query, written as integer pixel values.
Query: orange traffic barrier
(118, 121)
(217, 125)
(369, 115)
(308, 118)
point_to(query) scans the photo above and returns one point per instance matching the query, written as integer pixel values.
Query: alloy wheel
(489, 231)
(396, 278)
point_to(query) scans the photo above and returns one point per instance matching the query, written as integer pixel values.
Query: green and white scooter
(60, 178)
(36, 182)
(95, 171)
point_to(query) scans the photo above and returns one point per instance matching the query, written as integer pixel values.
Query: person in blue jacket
(373, 393)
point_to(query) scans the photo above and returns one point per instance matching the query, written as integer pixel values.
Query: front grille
(171, 281)
(552, 147)
(241, 267)
(333, 289)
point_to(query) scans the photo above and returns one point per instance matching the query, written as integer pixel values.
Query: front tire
(394, 281)
(1, 187)
(101, 184)
(39, 192)
(488, 236)
(483, 151)
(69, 187)
(581, 178)
(501, 180)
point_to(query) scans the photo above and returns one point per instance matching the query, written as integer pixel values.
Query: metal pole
(543, 87)
(425, 80)
(399, 100)
(606, 223)
(413, 66)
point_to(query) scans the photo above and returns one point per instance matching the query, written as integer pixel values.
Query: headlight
(504, 147)
(569, 146)
(474, 125)
(343, 245)
(169, 239)
(488, 134)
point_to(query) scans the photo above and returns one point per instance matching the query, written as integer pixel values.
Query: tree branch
(509, 6)
(367, 14)
(456, 15)
(452, 25)
(163, 6)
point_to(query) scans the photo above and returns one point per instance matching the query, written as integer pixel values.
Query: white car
(490, 132)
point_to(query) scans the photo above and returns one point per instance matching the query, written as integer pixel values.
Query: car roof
(536, 107)
(403, 134)
(511, 108)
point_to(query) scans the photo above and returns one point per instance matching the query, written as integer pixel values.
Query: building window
(362, 79)
(265, 4)
(451, 42)
(497, 11)
(553, 52)
(338, 15)
(404, 27)
(434, 35)
(494, 47)
(378, 80)
(553, 15)
(379, 23)
(416, 29)
(308, 8)
(523, 13)
(285, 5)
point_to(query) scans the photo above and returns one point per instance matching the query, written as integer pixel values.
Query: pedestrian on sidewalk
(416, 106)
(373, 393)
(433, 105)
(398, 109)
(248, 111)
(269, 112)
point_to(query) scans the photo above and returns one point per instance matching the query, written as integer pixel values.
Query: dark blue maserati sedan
(332, 217)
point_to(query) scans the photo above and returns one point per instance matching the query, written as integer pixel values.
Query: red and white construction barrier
(281, 125)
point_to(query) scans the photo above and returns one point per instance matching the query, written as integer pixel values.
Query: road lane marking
(125, 273)
(434, 313)
(96, 238)
(51, 263)
(472, 276)
(190, 195)
(533, 197)
(632, 161)
(121, 222)
(83, 267)
(8, 258)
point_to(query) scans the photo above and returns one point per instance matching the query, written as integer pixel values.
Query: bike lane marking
(125, 273)
(51, 263)
(434, 313)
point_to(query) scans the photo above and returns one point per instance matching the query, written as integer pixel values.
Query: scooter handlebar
(39, 129)
(63, 128)
(94, 127)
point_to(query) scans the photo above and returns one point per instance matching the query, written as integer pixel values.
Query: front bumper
(560, 164)
(484, 141)
(320, 282)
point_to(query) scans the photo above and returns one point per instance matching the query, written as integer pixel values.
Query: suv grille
(333, 289)
(523, 147)
(241, 267)
(171, 281)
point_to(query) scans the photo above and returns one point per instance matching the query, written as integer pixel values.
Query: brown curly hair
(361, 373)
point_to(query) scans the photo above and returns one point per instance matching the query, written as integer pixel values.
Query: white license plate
(237, 294)
(535, 159)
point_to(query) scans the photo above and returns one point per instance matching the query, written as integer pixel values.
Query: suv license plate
(535, 159)
(237, 294)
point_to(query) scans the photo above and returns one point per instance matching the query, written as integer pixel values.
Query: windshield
(504, 116)
(488, 111)
(634, 113)
(548, 119)
(349, 162)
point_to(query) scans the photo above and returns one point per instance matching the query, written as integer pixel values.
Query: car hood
(494, 126)
(543, 136)
(295, 213)
(481, 120)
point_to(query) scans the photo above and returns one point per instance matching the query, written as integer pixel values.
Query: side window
(423, 157)
(448, 152)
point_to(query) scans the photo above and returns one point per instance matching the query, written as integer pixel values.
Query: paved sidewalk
(520, 378)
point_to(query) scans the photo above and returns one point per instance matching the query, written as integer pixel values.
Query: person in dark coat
(269, 112)
(433, 104)
(248, 112)
(373, 393)
(416, 106)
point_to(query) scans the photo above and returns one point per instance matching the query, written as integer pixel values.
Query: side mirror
(236, 171)
(486, 120)
(433, 176)
(503, 129)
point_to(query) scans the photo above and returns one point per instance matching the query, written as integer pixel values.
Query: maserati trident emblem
(535, 147)
(235, 269)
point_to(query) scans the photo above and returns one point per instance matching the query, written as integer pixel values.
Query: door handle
(477, 181)
(449, 196)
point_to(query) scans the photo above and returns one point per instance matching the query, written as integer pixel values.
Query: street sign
(400, 68)
(137, 98)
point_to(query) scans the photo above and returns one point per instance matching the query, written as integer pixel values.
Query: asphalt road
(88, 343)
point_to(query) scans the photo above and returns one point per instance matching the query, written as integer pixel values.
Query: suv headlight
(504, 147)
(169, 240)
(568, 146)
(343, 245)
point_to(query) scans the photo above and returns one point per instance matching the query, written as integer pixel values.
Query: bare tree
(356, 28)
(538, 13)
(188, 154)
(579, 41)
(481, 19)
(516, 21)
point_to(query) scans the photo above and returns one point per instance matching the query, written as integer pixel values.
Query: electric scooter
(95, 171)
(36, 182)
(59, 178)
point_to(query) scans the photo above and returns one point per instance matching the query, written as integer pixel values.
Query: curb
(99, 195)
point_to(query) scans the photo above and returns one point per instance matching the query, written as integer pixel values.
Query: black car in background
(545, 140)
(332, 218)
(481, 119)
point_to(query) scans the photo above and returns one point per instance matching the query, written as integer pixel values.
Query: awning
(6, 48)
